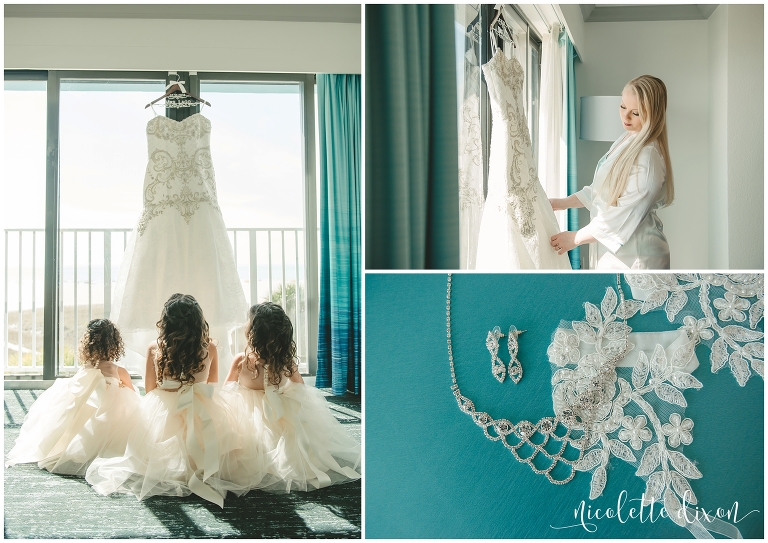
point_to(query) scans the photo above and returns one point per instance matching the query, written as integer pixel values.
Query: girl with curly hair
(183, 443)
(84, 416)
(289, 438)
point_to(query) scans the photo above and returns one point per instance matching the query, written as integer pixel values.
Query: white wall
(718, 138)
(676, 52)
(746, 181)
(183, 45)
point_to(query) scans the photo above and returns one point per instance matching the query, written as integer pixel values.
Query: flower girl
(289, 438)
(82, 416)
(184, 437)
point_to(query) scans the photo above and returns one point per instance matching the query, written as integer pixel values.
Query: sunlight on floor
(207, 522)
(320, 519)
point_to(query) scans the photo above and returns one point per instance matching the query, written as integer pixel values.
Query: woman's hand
(563, 242)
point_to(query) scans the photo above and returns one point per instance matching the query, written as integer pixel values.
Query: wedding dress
(518, 220)
(180, 243)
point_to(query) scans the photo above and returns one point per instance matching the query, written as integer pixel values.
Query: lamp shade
(600, 118)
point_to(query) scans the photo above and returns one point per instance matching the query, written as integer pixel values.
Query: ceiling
(315, 13)
(610, 13)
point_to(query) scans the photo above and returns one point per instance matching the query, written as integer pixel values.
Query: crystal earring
(515, 369)
(497, 366)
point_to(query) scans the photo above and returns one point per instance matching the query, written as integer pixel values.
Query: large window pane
(23, 222)
(257, 148)
(257, 151)
(103, 156)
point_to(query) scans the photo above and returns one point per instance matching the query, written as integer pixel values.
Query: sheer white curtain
(552, 146)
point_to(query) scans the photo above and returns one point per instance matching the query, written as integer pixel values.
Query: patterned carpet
(39, 504)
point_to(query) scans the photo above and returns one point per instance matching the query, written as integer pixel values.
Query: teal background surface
(430, 471)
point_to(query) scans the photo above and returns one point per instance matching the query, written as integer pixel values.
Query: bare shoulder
(212, 350)
(123, 374)
(295, 375)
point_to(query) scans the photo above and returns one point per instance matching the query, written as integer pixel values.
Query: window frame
(52, 286)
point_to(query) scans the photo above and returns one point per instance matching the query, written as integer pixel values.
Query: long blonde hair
(652, 105)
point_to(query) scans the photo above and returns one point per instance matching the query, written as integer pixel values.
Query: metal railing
(268, 259)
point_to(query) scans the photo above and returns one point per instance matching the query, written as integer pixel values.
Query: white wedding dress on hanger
(518, 220)
(180, 243)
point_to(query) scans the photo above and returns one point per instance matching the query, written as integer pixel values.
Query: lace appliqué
(741, 346)
(188, 180)
(611, 431)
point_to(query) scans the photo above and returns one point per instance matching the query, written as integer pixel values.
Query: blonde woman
(631, 182)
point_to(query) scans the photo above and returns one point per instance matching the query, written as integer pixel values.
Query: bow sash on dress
(206, 458)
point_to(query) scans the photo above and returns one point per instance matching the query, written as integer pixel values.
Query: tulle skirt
(76, 420)
(173, 255)
(182, 445)
(289, 440)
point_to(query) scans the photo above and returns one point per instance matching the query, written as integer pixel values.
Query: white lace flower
(731, 307)
(634, 431)
(678, 431)
(564, 349)
(697, 328)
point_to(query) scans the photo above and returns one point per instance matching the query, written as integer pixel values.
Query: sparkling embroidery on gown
(180, 243)
(518, 220)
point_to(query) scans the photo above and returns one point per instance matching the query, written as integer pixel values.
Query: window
(23, 210)
(102, 155)
(258, 147)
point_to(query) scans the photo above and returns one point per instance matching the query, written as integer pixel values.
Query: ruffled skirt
(182, 445)
(289, 440)
(76, 420)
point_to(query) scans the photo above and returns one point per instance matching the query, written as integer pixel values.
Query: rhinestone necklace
(556, 429)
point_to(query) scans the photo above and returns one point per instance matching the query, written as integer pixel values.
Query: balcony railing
(270, 264)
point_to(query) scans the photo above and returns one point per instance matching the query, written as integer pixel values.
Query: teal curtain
(340, 128)
(411, 152)
(570, 124)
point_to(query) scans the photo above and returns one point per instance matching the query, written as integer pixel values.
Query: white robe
(630, 234)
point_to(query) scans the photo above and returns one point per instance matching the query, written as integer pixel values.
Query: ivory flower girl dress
(302, 446)
(77, 419)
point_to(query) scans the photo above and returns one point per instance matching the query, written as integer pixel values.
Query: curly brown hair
(182, 344)
(101, 342)
(269, 335)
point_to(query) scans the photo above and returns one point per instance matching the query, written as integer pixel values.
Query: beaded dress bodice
(180, 176)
